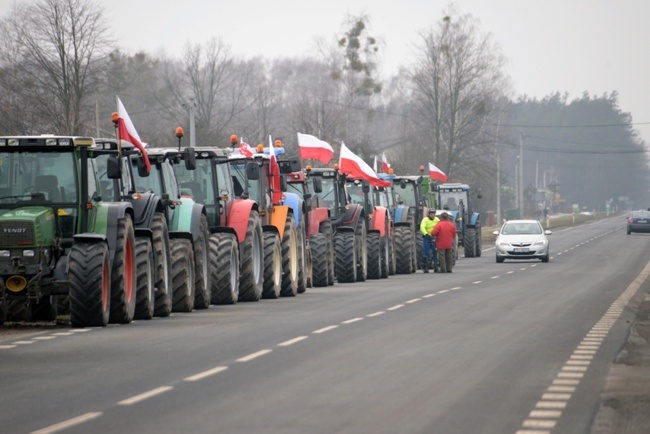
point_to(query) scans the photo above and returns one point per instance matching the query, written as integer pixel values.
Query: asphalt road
(491, 348)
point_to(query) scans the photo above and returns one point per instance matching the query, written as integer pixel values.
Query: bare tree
(60, 46)
(457, 80)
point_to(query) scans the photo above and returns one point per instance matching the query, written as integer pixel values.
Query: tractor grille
(16, 233)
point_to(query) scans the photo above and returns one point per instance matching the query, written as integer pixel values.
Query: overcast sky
(574, 46)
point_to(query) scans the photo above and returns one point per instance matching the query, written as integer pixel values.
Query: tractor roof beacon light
(233, 140)
(179, 135)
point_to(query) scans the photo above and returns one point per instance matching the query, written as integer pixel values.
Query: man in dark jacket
(445, 232)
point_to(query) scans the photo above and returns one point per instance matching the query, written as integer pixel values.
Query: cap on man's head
(432, 211)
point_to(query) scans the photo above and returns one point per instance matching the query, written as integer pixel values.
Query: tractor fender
(401, 214)
(352, 215)
(187, 218)
(144, 206)
(240, 211)
(279, 217)
(474, 219)
(296, 203)
(225, 229)
(379, 219)
(316, 217)
(114, 213)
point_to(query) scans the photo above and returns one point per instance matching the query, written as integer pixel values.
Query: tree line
(453, 105)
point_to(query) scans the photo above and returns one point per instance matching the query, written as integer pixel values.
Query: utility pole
(192, 129)
(521, 176)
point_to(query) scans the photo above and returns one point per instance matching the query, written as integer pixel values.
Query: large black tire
(272, 265)
(320, 262)
(403, 245)
(89, 276)
(469, 242)
(304, 263)
(123, 283)
(373, 241)
(384, 252)
(290, 252)
(224, 267)
(326, 228)
(182, 274)
(145, 287)
(251, 260)
(17, 310)
(479, 240)
(391, 254)
(162, 263)
(419, 250)
(346, 257)
(202, 275)
(361, 244)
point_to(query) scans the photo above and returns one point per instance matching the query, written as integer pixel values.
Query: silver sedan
(522, 239)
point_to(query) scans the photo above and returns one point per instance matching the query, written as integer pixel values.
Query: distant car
(638, 221)
(522, 239)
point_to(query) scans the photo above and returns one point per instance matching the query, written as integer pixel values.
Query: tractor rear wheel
(224, 266)
(272, 265)
(290, 252)
(123, 284)
(346, 257)
(360, 237)
(403, 245)
(374, 255)
(320, 270)
(89, 275)
(162, 263)
(145, 287)
(304, 265)
(202, 277)
(251, 260)
(469, 242)
(182, 274)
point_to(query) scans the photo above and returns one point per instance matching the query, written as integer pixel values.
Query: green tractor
(59, 241)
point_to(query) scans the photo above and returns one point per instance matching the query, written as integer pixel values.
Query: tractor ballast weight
(456, 200)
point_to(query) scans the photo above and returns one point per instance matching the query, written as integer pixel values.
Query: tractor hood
(30, 226)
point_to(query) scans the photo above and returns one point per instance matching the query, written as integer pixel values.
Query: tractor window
(407, 194)
(452, 199)
(198, 182)
(169, 179)
(147, 183)
(224, 181)
(296, 187)
(38, 176)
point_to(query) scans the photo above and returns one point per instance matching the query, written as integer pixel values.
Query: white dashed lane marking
(325, 329)
(395, 307)
(205, 374)
(68, 423)
(292, 341)
(253, 356)
(353, 320)
(146, 395)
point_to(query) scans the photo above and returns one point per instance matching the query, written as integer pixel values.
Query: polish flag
(126, 132)
(274, 172)
(311, 147)
(245, 149)
(354, 166)
(437, 174)
(384, 163)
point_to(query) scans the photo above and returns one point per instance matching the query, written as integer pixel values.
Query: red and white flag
(354, 166)
(126, 132)
(311, 147)
(245, 149)
(384, 163)
(437, 174)
(275, 175)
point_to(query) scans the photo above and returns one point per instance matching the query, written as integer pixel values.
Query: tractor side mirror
(365, 187)
(479, 193)
(113, 167)
(190, 159)
(252, 171)
(318, 184)
(402, 184)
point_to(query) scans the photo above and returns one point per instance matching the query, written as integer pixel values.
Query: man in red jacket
(445, 232)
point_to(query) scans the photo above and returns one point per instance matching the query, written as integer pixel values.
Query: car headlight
(540, 243)
(503, 244)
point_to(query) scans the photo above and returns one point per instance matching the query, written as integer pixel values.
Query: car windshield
(521, 229)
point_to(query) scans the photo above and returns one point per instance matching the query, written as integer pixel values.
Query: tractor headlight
(29, 253)
(5, 254)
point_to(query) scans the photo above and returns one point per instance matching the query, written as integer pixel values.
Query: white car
(522, 239)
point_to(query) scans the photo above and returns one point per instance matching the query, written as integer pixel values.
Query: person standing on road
(428, 242)
(445, 232)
